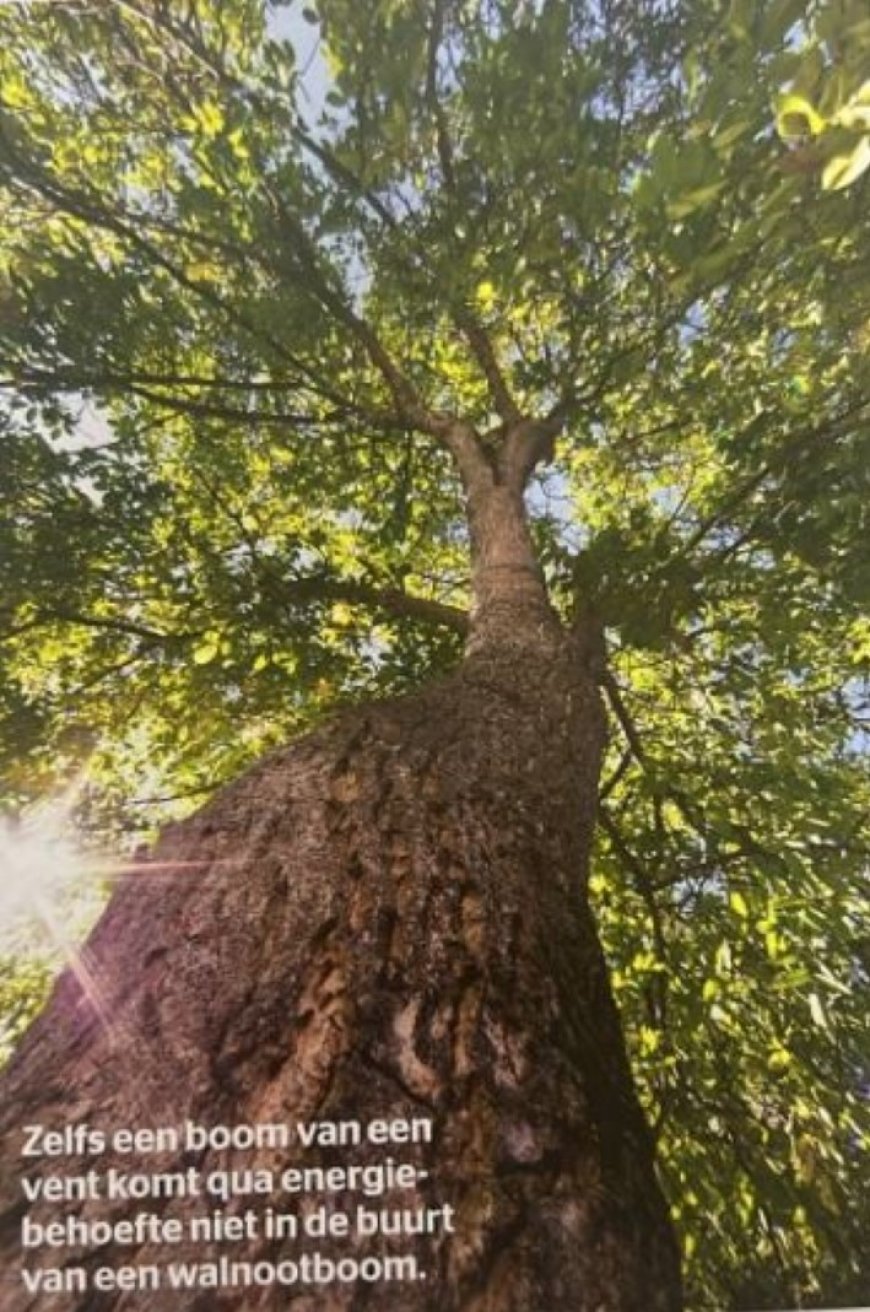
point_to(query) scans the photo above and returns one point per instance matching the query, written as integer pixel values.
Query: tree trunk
(386, 920)
(383, 929)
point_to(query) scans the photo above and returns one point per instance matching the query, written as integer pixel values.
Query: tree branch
(617, 776)
(620, 710)
(93, 210)
(484, 353)
(444, 144)
(646, 888)
(25, 378)
(829, 428)
(64, 615)
(311, 589)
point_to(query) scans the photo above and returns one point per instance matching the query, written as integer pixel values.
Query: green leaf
(733, 132)
(842, 170)
(817, 1012)
(741, 18)
(694, 200)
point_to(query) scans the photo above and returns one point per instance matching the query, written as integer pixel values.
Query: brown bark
(386, 919)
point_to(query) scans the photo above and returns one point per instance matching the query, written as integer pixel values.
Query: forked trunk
(386, 921)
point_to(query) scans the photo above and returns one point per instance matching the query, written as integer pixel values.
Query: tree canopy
(234, 314)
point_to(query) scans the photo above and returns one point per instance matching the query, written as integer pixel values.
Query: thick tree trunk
(385, 920)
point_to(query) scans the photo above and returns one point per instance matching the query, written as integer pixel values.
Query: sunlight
(50, 882)
(39, 861)
(45, 900)
(52, 888)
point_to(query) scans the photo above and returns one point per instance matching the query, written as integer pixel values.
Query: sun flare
(53, 887)
(40, 861)
(46, 896)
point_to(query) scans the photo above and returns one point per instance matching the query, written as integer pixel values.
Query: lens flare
(39, 862)
(52, 889)
(46, 897)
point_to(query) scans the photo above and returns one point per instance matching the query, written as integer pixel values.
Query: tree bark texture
(386, 919)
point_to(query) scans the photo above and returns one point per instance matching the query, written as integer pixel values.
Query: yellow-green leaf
(210, 117)
(796, 117)
(694, 200)
(843, 170)
(737, 903)
(341, 614)
(207, 650)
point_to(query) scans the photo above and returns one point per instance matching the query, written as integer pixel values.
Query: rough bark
(386, 919)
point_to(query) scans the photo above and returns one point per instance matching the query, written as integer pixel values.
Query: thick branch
(463, 442)
(393, 601)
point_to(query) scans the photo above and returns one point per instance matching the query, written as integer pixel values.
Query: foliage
(24, 982)
(219, 306)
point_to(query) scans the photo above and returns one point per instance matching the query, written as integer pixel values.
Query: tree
(575, 293)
